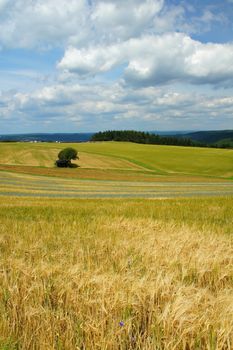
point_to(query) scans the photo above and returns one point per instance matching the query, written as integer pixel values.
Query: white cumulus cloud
(41, 23)
(118, 19)
(123, 64)
(51, 23)
(152, 60)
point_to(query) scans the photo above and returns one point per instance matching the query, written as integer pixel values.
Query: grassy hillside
(163, 160)
(170, 159)
(116, 274)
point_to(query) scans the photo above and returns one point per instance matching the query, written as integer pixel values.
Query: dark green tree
(65, 156)
(68, 154)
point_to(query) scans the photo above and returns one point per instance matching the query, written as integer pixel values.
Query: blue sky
(86, 65)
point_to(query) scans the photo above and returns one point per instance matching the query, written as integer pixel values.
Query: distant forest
(142, 137)
(153, 139)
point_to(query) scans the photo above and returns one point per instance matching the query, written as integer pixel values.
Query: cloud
(99, 106)
(45, 24)
(91, 61)
(152, 60)
(3, 4)
(114, 19)
(125, 64)
(40, 23)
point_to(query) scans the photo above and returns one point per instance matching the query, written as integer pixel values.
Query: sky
(93, 65)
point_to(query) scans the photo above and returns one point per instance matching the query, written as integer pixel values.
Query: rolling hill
(210, 137)
(127, 157)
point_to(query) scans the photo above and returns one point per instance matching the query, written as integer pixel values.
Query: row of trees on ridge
(142, 137)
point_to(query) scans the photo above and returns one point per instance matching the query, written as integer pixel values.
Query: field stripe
(39, 186)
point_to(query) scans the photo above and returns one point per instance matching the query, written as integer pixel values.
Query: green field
(163, 160)
(115, 170)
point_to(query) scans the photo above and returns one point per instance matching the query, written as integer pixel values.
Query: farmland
(114, 274)
(115, 170)
(160, 160)
(132, 250)
(29, 185)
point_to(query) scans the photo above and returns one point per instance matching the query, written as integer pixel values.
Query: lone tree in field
(65, 156)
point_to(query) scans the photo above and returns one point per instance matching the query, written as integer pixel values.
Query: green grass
(170, 159)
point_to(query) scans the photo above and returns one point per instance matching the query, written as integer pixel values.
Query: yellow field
(113, 274)
(123, 273)
(37, 155)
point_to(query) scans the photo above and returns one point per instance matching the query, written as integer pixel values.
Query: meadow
(127, 251)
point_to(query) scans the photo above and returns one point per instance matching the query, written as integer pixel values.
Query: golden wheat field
(116, 274)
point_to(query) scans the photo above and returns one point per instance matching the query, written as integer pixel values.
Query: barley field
(116, 274)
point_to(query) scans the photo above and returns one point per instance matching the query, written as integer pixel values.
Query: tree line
(143, 137)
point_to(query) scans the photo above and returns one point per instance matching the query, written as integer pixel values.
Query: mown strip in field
(28, 185)
(107, 174)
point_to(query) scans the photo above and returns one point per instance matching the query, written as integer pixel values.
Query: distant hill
(170, 132)
(225, 143)
(57, 137)
(210, 137)
(217, 138)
